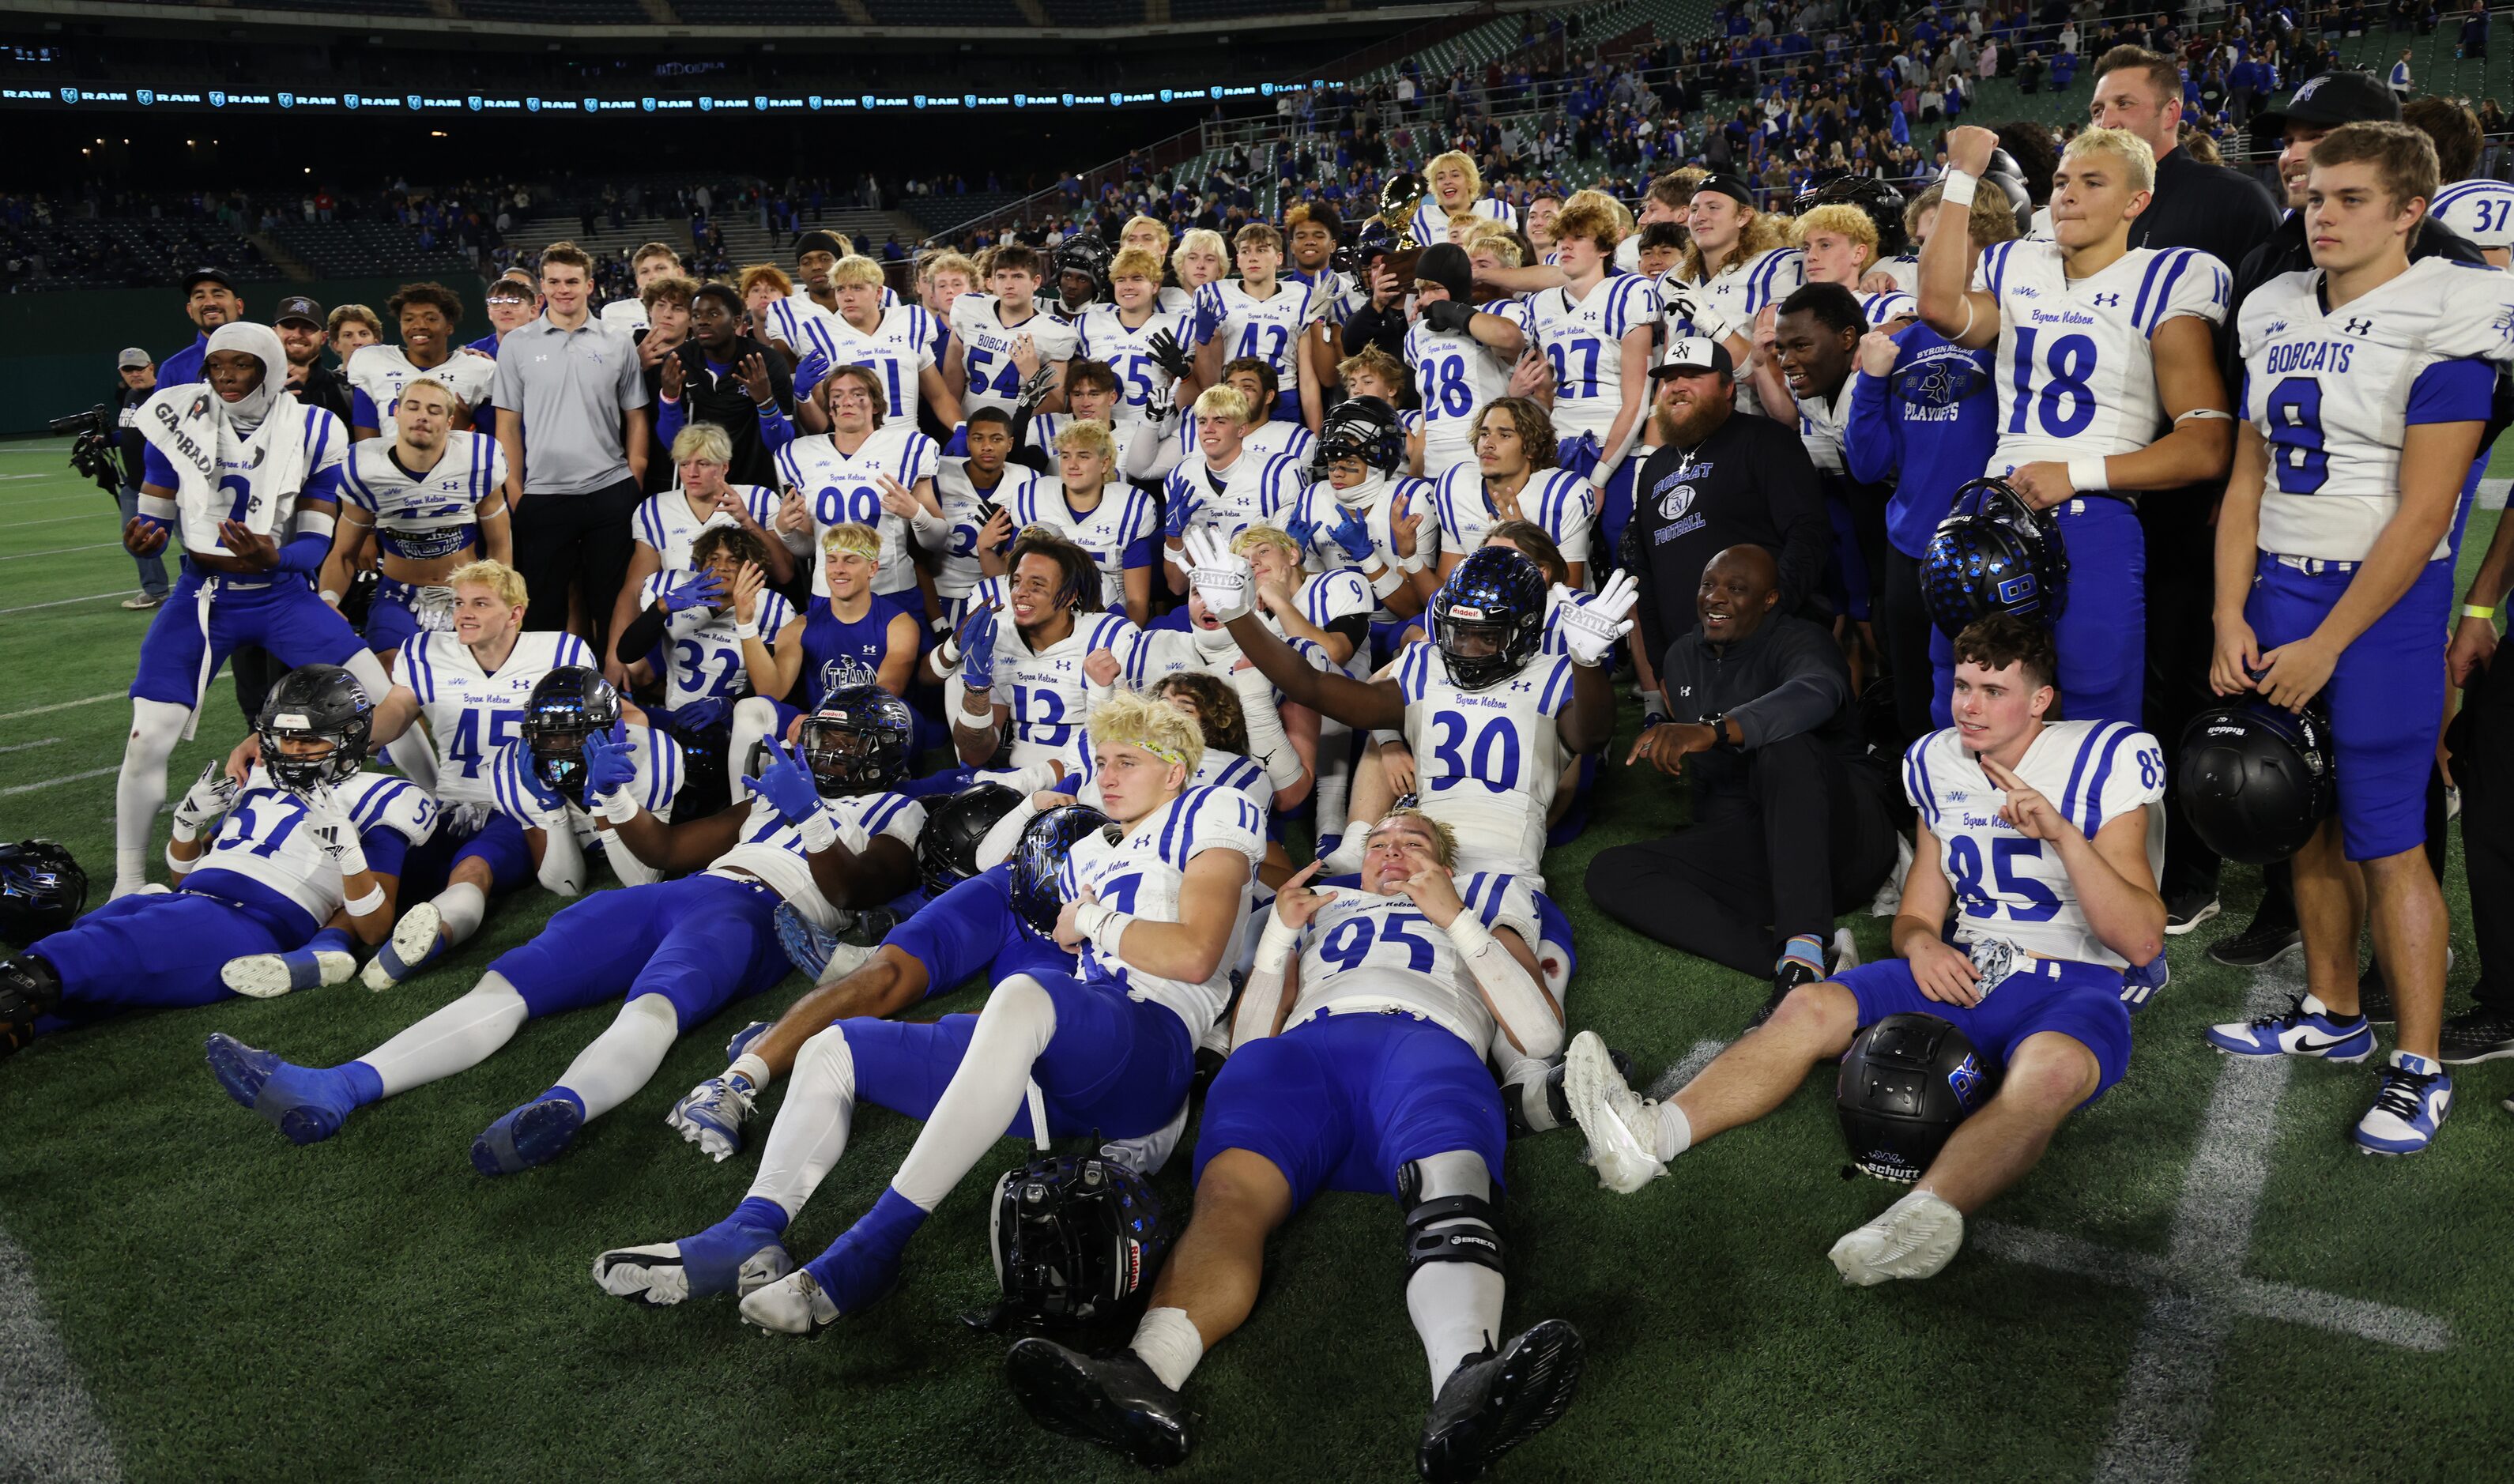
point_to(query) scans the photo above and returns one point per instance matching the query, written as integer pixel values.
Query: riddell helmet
(1489, 618)
(1364, 428)
(858, 742)
(1073, 1238)
(567, 705)
(1906, 1082)
(946, 848)
(42, 890)
(1038, 863)
(2255, 779)
(1883, 203)
(315, 702)
(1083, 255)
(1994, 553)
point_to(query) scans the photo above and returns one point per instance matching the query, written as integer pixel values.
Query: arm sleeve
(670, 414)
(643, 634)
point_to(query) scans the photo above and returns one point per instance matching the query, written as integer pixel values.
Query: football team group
(998, 632)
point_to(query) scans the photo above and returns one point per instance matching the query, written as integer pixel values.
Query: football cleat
(1114, 1400)
(269, 975)
(415, 942)
(2409, 1108)
(2306, 1028)
(1622, 1127)
(1493, 1402)
(840, 1282)
(2189, 907)
(713, 1113)
(291, 1098)
(2476, 1034)
(1914, 1238)
(2264, 942)
(534, 1133)
(729, 1258)
(827, 956)
(742, 1039)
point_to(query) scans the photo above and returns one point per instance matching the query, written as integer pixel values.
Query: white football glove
(334, 833)
(1222, 576)
(1698, 311)
(210, 796)
(1590, 629)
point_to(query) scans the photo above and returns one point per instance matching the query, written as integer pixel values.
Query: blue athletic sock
(884, 1230)
(355, 1084)
(331, 941)
(758, 1211)
(564, 1094)
(1806, 949)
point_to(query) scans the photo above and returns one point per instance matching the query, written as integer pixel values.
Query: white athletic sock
(1456, 1309)
(459, 910)
(1674, 1132)
(811, 1128)
(1168, 1342)
(457, 1037)
(986, 1092)
(623, 1057)
(156, 725)
(1335, 776)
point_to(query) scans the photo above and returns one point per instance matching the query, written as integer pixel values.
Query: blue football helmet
(1489, 618)
(861, 740)
(567, 705)
(1994, 552)
(1038, 863)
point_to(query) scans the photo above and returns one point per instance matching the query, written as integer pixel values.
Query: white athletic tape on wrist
(819, 831)
(372, 901)
(1957, 188)
(619, 806)
(2087, 474)
(744, 628)
(176, 864)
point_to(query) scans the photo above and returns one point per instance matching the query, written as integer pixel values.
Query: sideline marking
(56, 783)
(53, 1431)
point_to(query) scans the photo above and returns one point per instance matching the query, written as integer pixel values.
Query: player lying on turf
(1154, 915)
(306, 859)
(1356, 1065)
(2040, 840)
(825, 832)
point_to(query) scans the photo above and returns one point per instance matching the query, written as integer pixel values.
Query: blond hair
(1444, 840)
(852, 536)
(1128, 719)
(856, 268)
(1222, 400)
(1841, 220)
(429, 383)
(702, 441)
(1136, 262)
(1464, 161)
(1378, 363)
(1267, 535)
(1201, 239)
(1494, 237)
(1991, 220)
(1089, 433)
(1156, 224)
(947, 262)
(1763, 231)
(2123, 145)
(496, 575)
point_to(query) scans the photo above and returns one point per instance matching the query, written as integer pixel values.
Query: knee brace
(1447, 1228)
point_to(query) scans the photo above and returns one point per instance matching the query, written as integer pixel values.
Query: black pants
(2181, 634)
(2483, 764)
(1903, 631)
(256, 670)
(580, 539)
(1813, 835)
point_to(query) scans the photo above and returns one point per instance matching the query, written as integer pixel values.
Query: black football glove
(1447, 316)
(1169, 355)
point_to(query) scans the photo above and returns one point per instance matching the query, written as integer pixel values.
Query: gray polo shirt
(570, 387)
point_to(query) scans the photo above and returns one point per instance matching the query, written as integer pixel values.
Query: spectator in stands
(135, 379)
(209, 300)
(574, 483)
(302, 325)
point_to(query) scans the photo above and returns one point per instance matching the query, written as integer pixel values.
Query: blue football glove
(610, 763)
(1580, 456)
(1353, 533)
(787, 782)
(1182, 510)
(977, 648)
(548, 799)
(697, 589)
(1304, 532)
(810, 372)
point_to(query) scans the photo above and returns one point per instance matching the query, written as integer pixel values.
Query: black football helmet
(42, 890)
(1086, 255)
(1994, 552)
(2256, 780)
(1364, 428)
(1883, 203)
(315, 702)
(1906, 1082)
(567, 705)
(1489, 618)
(1074, 1238)
(861, 740)
(1038, 863)
(946, 848)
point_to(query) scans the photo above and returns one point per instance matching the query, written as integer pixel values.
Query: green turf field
(371, 1309)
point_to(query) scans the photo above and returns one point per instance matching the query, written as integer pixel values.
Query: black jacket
(726, 403)
(1751, 481)
(2223, 212)
(326, 387)
(1785, 679)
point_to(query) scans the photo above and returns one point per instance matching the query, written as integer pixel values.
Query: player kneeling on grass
(306, 859)
(826, 832)
(2041, 840)
(1358, 1065)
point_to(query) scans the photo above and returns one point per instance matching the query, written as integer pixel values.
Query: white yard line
(53, 1430)
(56, 783)
(20, 556)
(94, 597)
(30, 746)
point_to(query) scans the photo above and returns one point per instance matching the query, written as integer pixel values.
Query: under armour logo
(2106, 301)
(2358, 327)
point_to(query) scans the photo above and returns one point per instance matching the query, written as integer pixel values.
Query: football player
(666, 524)
(1356, 1064)
(1364, 512)
(1200, 257)
(1052, 596)
(1838, 243)
(840, 643)
(1593, 337)
(652, 262)
(1737, 263)
(868, 469)
(435, 499)
(1001, 342)
(718, 635)
(976, 491)
(2369, 385)
(2099, 343)
(1263, 432)
(828, 833)
(2479, 208)
(2041, 842)
(1154, 237)
(427, 314)
(870, 328)
(1312, 227)
(306, 860)
(1266, 317)
(1454, 185)
(1513, 477)
(1138, 338)
(1460, 356)
(251, 477)
(1141, 447)
(1091, 505)
(1224, 487)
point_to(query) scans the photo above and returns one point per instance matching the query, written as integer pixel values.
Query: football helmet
(42, 890)
(1994, 552)
(946, 848)
(315, 702)
(1905, 1084)
(1038, 863)
(1073, 1238)
(1364, 428)
(566, 707)
(2256, 780)
(1489, 618)
(1084, 255)
(1883, 203)
(861, 740)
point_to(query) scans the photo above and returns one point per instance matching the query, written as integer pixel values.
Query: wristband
(1389, 579)
(947, 653)
(619, 806)
(176, 864)
(1410, 565)
(329, 596)
(1467, 935)
(1103, 925)
(2474, 611)
(818, 832)
(1957, 189)
(745, 629)
(2087, 475)
(371, 902)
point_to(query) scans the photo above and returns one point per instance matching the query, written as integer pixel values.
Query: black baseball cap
(200, 277)
(1692, 356)
(1727, 186)
(299, 306)
(2326, 102)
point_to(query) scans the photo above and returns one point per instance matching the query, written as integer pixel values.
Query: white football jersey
(378, 373)
(701, 656)
(200, 508)
(1430, 222)
(1119, 531)
(2481, 210)
(259, 838)
(1339, 294)
(1381, 500)
(2076, 374)
(968, 512)
(1557, 500)
(1905, 269)
(1269, 329)
(1232, 772)
(898, 348)
(772, 850)
(1102, 335)
(1267, 439)
(1142, 874)
(1882, 309)
(661, 769)
(1737, 293)
(1583, 341)
(987, 349)
(1486, 762)
(1820, 424)
(1323, 597)
(839, 489)
(2013, 888)
(1256, 489)
(1455, 376)
(1363, 953)
(667, 523)
(473, 715)
(423, 516)
(791, 319)
(627, 315)
(2334, 394)
(1046, 690)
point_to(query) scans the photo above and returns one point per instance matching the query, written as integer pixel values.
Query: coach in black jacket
(728, 378)
(1794, 820)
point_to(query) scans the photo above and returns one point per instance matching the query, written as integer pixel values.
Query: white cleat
(660, 1275)
(1622, 1127)
(269, 975)
(793, 1304)
(846, 959)
(1916, 1237)
(413, 942)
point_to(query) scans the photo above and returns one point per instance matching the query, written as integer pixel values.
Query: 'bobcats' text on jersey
(987, 349)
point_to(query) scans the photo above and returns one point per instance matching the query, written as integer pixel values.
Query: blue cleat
(808, 946)
(731, 1257)
(2410, 1107)
(847, 1279)
(742, 1039)
(293, 1099)
(711, 1115)
(2306, 1028)
(533, 1134)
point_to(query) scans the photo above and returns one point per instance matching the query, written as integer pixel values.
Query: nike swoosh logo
(2309, 1046)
